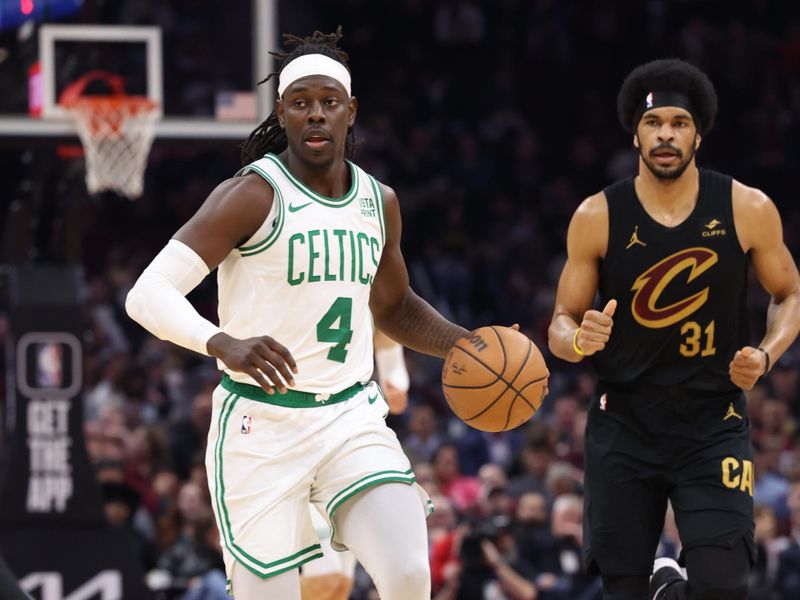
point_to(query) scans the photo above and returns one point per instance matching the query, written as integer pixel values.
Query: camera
(491, 530)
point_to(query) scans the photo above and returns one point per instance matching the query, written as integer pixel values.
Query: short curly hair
(672, 75)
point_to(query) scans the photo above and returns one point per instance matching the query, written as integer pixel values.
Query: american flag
(235, 106)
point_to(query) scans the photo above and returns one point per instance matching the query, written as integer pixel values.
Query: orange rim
(106, 114)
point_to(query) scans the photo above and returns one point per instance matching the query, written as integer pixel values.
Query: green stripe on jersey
(381, 210)
(276, 231)
(332, 202)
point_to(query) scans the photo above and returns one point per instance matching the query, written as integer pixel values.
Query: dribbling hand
(747, 366)
(596, 329)
(260, 357)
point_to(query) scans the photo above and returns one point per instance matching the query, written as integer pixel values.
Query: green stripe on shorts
(254, 565)
(362, 484)
(357, 486)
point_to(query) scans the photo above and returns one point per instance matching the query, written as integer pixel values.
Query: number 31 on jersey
(698, 340)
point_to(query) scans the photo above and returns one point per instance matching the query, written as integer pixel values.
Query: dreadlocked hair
(269, 136)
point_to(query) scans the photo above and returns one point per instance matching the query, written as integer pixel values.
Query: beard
(668, 173)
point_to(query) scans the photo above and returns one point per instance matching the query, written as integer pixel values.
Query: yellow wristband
(575, 347)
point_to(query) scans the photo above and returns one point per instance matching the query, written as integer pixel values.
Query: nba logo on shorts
(246, 424)
(649, 100)
(603, 402)
(49, 365)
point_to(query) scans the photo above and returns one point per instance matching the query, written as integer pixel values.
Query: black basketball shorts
(649, 446)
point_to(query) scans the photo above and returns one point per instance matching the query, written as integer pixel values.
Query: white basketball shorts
(268, 456)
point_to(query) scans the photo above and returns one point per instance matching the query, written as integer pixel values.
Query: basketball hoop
(116, 131)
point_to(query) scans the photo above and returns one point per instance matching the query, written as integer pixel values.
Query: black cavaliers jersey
(681, 290)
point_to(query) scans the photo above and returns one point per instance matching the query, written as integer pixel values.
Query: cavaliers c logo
(650, 285)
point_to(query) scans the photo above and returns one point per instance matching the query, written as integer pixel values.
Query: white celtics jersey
(304, 278)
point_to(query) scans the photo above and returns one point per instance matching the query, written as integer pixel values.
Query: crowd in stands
(491, 120)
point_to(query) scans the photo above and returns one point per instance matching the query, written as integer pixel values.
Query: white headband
(313, 64)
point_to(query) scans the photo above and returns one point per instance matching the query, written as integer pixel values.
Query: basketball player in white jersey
(308, 250)
(332, 576)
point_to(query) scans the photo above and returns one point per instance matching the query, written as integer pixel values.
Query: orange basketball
(494, 379)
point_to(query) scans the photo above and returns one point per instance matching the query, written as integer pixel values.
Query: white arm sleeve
(391, 364)
(157, 300)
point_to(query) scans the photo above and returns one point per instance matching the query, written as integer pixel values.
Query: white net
(116, 133)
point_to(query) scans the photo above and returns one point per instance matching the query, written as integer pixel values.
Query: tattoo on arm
(418, 326)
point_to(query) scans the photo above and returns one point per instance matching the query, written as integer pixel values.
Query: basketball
(494, 379)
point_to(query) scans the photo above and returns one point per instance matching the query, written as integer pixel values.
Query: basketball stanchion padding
(116, 131)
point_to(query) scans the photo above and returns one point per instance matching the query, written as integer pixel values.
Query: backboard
(199, 61)
(149, 37)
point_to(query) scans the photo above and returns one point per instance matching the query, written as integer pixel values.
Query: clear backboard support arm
(21, 126)
(265, 38)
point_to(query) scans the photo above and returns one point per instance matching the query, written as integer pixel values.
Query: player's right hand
(596, 329)
(260, 357)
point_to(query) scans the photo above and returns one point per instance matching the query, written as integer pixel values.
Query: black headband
(666, 98)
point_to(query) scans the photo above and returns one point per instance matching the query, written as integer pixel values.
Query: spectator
(426, 477)
(567, 528)
(496, 502)
(442, 521)
(492, 477)
(194, 562)
(788, 576)
(769, 487)
(180, 518)
(770, 545)
(146, 454)
(477, 448)
(187, 437)
(120, 503)
(463, 491)
(422, 439)
(535, 540)
(777, 425)
(537, 458)
(785, 380)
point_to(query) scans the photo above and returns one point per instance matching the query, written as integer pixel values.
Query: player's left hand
(747, 366)
(396, 398)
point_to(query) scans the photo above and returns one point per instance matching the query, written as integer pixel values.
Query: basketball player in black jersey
(668, 252)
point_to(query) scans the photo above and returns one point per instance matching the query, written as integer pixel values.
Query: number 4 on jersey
(340, 311)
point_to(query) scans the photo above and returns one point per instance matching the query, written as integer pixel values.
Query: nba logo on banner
(246, 424)
(49, 365)
(603, 402)
(649, 100)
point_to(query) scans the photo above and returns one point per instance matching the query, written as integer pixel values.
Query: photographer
(567, 579)
(511, 583)
(488, 567)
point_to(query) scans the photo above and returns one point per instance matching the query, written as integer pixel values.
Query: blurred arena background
(492, 121)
